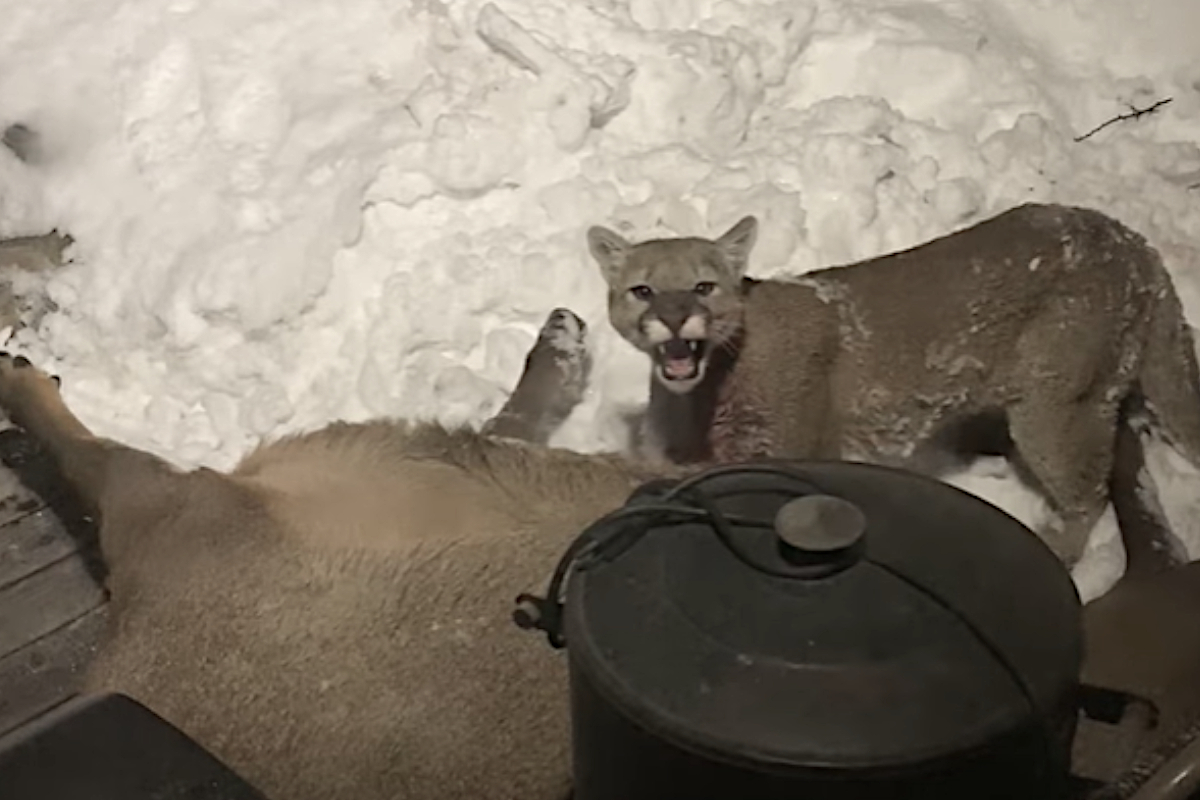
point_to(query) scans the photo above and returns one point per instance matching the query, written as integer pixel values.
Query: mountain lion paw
(20, 369)
(22, 385)
(562, 345)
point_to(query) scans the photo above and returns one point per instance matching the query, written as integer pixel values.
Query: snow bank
(288, 213)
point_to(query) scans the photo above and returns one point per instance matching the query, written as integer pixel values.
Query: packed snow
(288, 213)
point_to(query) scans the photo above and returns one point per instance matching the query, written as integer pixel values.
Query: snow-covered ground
(287, 213)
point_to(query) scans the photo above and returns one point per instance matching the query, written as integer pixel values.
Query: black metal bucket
(819, 631)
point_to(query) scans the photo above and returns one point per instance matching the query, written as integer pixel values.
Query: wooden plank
(30, 543)
(46, 600)
(39, 478)
(16, 499)
(47, 672)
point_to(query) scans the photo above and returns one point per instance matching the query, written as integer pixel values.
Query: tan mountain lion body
(1048, 317)
(333, 617)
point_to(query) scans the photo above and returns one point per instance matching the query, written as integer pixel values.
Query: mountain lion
(1050, 321)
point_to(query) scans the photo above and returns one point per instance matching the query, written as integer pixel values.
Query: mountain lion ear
(609, 250)
(737, 242)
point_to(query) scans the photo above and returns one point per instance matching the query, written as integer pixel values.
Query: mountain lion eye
(642, 292)
(704, 288)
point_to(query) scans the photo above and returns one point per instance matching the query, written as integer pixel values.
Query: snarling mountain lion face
(677, 300)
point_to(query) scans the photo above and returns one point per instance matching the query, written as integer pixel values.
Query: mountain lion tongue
(679, 361)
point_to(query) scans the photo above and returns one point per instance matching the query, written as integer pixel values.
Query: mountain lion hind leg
(552, 384)
(1063, 421)
(1067, 449)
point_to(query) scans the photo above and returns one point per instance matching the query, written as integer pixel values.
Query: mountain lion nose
(674, 308)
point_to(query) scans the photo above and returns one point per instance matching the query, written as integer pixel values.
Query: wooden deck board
(45, 601)
(16, 500)
(30, 543)
(48, 671)
(52, 607)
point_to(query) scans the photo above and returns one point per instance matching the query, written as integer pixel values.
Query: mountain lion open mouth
(681, 359)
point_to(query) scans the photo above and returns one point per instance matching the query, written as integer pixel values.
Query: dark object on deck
(109, 747)
(817, 630)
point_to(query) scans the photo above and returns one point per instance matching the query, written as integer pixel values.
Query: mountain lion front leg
(777, 401)
(784, 422)
(109, 478)
(552, 384)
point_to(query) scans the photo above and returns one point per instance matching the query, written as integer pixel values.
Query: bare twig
(1134, 113)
